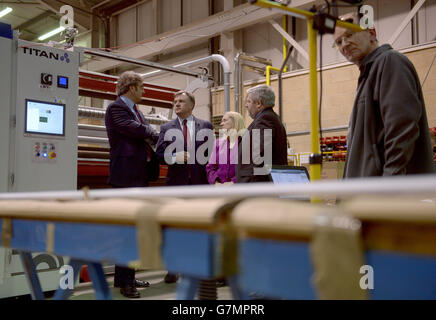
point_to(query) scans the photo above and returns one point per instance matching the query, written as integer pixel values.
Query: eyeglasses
(346, 36)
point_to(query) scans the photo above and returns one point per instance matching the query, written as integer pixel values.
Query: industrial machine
(38, 130)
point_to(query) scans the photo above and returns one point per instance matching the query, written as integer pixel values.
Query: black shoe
(138, 284)
(130, 292)
(171, 278)
(141, 284)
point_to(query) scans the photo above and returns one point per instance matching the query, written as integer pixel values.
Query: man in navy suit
(130, 137)
(178, 147)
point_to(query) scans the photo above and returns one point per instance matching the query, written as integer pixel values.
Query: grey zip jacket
(388, 132)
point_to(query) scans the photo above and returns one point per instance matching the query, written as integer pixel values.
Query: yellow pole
(268, 74)
(268, 80)
(285, 49)
(315, 169)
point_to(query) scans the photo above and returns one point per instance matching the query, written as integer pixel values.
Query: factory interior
(316, 230)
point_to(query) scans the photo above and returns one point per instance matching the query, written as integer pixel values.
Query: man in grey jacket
(388, 132)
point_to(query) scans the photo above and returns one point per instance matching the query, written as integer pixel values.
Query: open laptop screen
(290, 174)
(283, 174)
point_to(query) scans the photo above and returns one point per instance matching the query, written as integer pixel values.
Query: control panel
(44, 151)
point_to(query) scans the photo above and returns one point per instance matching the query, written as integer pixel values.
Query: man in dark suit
(178, 147)
(130, 137)
(265, 143)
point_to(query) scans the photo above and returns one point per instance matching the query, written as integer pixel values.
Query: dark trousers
(123, 275)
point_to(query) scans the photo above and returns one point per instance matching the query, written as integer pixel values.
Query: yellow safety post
(268, 74)
(285, 48)
(315, 168)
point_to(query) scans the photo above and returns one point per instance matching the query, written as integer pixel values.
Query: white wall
(170, 16)
(194, 10)
(427, 22)
(126, 31)
(147, 20)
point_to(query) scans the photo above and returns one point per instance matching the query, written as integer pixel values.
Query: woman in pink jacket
(222, 163)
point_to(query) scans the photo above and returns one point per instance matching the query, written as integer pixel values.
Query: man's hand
(182, 157)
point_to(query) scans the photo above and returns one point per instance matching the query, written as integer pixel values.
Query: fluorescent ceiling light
(5, 11)
(51, 33)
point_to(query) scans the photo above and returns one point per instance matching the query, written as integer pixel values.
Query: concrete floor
(158, 290)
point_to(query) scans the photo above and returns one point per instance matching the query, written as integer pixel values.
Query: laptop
(290, 174)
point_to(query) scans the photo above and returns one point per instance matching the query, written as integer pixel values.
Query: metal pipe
(236, 81)
(238, 75)
(283, 68)
(91, 112)
(214, 57)
(280, 80)
(143, 63)
(254, 69)
(88, 112)
(268, 74)
(93, 154)
(285, 48)
(304, 132)
(91, 127)
(188, 63)
(315, 168)
(92, 139)
(99, 74)
(422, 185)
(255, 59)
(226, 69)
(98, 162)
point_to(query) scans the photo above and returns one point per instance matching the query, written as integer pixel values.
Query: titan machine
(38, 139)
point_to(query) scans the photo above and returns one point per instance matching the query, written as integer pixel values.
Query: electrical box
(46, 119)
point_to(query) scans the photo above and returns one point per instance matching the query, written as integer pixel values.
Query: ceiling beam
(236, 18)
(188, 35)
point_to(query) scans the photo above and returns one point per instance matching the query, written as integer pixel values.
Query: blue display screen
(63, 82)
